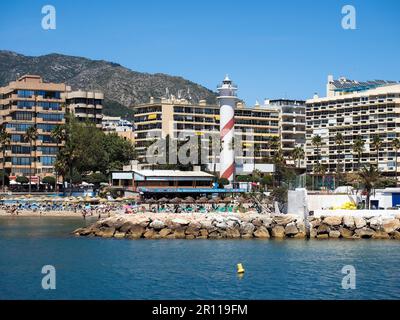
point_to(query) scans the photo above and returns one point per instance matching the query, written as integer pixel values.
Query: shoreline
(59, 214)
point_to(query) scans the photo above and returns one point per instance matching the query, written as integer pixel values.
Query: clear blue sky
(271, 49)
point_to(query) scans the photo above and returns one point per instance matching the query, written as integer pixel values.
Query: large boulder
(214, 235)
(164, 232)
(315, 222)
(221, 225)
(334, 234)
(233, 233)
(333, 221)
(203, 233)
(179, 233)
(113, 222)
(380, 235)
(390, 225)
(136, 231)
(375, 223)
(247, 228)
(149, 234)
(192, 231)
(119, 235)
(267, 222)
(143, 221)
(346, 233)
(278, 232)
(348, 222)
(291, 229)
(126, 226)
(261, 233)
(157, 225)
(323, 229)
(105, 233)
(359, 222)
(395, 235)
(364, 232)
(283, 220)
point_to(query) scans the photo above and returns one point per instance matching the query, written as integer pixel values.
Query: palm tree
(369, 177)
(317, 142)
(320, 170)
(396, 147)
(58, 135)
(274, 143)
(377, 144)
(30, 136)
(339, 140)
(5, 139)
(298, 154)
(358, 147)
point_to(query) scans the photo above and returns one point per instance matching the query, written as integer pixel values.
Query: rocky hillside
(122, 87)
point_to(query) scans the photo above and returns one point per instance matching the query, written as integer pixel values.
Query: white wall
(326, 201)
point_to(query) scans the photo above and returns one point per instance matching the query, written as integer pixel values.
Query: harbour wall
(252, 226)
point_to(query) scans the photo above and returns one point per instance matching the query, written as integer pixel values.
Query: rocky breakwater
(244, 226)
(349, 227)
(193, 226)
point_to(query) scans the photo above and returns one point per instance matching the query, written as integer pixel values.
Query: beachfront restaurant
(168, 183)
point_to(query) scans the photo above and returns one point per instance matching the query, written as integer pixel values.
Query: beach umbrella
(163, 199)
(151, 200)
(202, 200)
(176, 200)
(228, 199)
(217, 199)
(211, 201)
(189, 200)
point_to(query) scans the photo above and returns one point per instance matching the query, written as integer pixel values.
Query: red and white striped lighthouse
(227, 101)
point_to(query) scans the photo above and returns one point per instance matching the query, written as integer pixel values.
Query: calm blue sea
(92, 268)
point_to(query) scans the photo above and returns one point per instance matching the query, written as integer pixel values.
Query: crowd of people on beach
(106, 209)
(78, 208)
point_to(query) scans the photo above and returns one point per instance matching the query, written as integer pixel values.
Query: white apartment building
(354, 109)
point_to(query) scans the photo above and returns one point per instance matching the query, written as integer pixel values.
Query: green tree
(396, 147)
(339, 141)
(50, 180)
(22, 179)
(30, 137)
(58, 135)
(96, 178)
(377, 144)
(5, 139)
(316, 141)
(358, 148)
(369, 177)
(298, 154)
(223, 182)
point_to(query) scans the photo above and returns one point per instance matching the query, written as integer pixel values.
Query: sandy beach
(64, 214)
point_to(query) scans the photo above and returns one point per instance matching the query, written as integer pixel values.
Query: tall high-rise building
(87, 106)
(353, 109)
(29, 101)
(257, 126)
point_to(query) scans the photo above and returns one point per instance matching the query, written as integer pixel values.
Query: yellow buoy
(240, 268)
